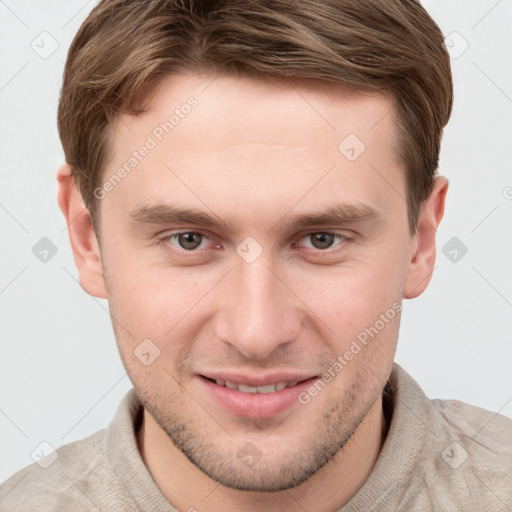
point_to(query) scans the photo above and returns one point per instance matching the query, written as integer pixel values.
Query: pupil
(190, 240)
(322, 240)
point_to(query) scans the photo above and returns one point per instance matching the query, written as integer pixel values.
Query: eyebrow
(337, 214)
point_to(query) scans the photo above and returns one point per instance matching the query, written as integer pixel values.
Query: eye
(187, 240)
(193, 241)
(322, 240)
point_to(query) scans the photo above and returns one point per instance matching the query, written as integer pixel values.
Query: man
(253, 187)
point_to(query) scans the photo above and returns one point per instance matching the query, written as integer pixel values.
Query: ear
(81, 235)
(423, 243)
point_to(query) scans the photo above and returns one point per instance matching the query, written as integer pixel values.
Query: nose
(259, 311)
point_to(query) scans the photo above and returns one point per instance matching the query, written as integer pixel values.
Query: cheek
(361, 302)
(350, 295)
(160, 303)
(156, 303)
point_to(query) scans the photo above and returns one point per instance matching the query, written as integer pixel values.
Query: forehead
(263, 107)
(223, 137)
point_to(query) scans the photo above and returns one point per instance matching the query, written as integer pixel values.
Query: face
(260, 241)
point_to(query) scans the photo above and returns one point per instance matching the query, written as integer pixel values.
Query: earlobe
(423, 246)
(83, 240)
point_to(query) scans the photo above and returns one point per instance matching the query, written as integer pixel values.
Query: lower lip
(255, 405)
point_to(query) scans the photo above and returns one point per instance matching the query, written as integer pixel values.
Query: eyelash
(345, 240)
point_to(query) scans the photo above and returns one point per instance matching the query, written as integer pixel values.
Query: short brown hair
(391, 46)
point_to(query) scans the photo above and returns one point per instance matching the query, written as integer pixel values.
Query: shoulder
(70, 478)
(473, 448)
(487, 433)
(474, 420)
(453, 455)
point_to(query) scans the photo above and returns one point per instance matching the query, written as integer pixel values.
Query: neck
(188, 488)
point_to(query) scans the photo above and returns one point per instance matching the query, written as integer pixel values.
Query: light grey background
(61, 378)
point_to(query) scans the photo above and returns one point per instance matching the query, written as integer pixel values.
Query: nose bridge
(259, 314)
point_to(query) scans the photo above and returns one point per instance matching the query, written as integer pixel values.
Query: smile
(254, 398)
(244, 388)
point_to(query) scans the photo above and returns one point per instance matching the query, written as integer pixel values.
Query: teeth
(269, 388)
(247, 389)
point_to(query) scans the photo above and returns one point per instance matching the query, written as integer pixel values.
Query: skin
(296, 307)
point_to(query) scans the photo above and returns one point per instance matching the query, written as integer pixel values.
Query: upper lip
(257, 380)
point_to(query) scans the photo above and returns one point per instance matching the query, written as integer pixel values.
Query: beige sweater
(438, 456)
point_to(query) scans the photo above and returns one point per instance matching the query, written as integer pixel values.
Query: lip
(255, 405)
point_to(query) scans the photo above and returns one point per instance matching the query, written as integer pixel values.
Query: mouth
(246, 388)
(255, 398)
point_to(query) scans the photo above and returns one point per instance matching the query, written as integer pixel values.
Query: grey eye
(322, 240)
(189, 241)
